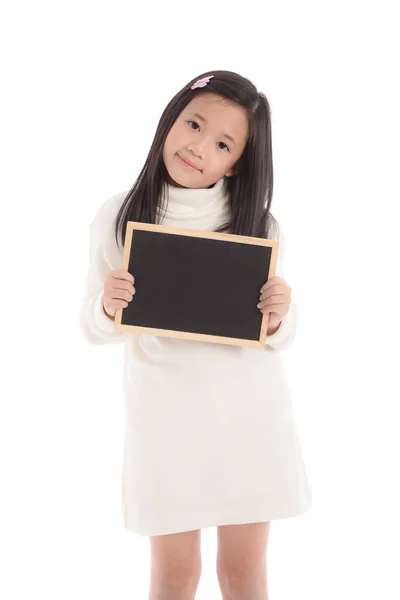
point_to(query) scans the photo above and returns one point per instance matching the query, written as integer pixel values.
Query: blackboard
(196, 285)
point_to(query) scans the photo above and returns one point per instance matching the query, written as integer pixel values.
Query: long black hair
(250, 188)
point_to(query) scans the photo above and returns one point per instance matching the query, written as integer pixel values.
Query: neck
(175, 184)
(194, 200)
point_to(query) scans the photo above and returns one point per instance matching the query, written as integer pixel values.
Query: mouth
(187, 163)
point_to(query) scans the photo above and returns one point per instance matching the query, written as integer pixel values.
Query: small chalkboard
(196, 285)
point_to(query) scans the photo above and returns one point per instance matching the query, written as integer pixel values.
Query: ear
(230, 172)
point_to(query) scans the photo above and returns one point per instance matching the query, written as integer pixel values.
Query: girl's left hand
(275, 298)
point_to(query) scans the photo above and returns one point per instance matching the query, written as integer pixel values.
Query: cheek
(169, 141)
(169, 149)
(233, 159)
(167, 144)
(225, 159)
(175, 137)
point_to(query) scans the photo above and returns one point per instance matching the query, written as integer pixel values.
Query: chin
(179, 179)
(174, 178)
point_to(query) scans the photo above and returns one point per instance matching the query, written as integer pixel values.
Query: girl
(210, 438)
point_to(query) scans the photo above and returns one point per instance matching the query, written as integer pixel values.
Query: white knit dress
(210, 437)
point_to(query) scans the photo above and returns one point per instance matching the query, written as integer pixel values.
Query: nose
(198, 147)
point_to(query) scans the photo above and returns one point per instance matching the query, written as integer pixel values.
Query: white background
(84, 84)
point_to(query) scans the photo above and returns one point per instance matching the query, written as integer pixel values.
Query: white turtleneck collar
(189, 202)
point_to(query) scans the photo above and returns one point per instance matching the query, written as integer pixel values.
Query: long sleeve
(96, 327)
(286, 332)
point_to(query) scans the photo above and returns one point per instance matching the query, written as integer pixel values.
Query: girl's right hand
(118, 290)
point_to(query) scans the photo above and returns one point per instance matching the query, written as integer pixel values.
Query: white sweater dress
(210, 437)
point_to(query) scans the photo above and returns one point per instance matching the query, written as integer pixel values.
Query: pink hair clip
(201, 82)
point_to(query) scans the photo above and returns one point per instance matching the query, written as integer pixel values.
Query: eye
(226, 147)
(194, 123)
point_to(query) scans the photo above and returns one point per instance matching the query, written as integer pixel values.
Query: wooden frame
(212, 235)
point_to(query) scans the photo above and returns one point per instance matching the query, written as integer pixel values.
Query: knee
(233, 582)
(242, 583)
(175, 584)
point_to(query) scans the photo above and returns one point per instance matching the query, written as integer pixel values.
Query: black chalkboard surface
(196, 285)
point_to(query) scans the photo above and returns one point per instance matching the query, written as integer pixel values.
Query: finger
(130, 288)
(118, 293)
(272, 281)
(115, 303)
(279, 309)
(271, 302)
(120, 284)
(274, 290)
(122, 295)
(275, 299)
(122, 274)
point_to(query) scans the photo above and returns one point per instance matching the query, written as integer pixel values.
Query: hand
(275, 299)
(118, 291)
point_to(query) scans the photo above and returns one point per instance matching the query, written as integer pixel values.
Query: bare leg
(175, 566)
(242, 561)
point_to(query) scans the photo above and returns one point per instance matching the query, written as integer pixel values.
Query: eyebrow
(201, 118)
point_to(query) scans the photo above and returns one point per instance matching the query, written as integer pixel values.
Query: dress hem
(192, 521)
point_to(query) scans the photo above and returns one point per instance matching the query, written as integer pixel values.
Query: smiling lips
(188, 163)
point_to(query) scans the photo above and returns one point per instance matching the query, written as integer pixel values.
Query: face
(210, 134)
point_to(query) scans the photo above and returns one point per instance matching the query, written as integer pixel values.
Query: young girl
(210, 438)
